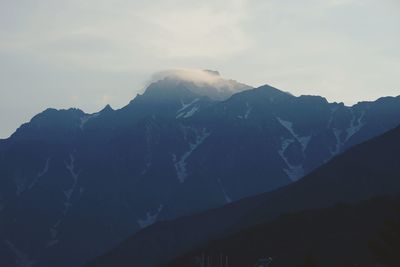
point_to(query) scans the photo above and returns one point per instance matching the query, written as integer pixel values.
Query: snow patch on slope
(355, 125)
(303, 140)
(247, 113)
(181, 164)
(54, 230)
(187, 110)
(86, 118)
(151, 218)
(75, 175)
(40, 174)
(294, 172)
(227, 198)
(21, 259)
(191, 112)
(339, 143)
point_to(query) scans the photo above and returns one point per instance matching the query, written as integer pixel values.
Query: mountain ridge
(340, 235)
(159, 158)
(176, 238)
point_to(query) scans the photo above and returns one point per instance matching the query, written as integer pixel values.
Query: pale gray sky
(87, 53)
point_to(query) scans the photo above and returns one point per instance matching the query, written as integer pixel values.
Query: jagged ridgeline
(73, 185)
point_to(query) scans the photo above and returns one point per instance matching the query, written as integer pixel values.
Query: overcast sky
(88, 53)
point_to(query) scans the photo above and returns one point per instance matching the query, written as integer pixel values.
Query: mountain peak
(201, 82)
(52, 114)
(106, 109)
(272, 91)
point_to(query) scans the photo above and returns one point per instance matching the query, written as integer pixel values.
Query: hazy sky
(87, 53)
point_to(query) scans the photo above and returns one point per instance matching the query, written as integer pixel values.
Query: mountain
(73, 185)
(367, 170)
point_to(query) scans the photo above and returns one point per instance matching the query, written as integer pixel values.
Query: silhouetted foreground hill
(367, 170)
(331, 237)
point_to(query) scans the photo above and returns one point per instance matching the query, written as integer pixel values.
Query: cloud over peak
(207, 82)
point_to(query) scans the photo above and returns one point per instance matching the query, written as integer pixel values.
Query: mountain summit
(202, 82)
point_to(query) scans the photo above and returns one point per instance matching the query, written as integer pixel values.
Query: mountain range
(285, 224)
(74, 185)
(316, 218)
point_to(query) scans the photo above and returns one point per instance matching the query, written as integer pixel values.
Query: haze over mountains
(74, 185)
